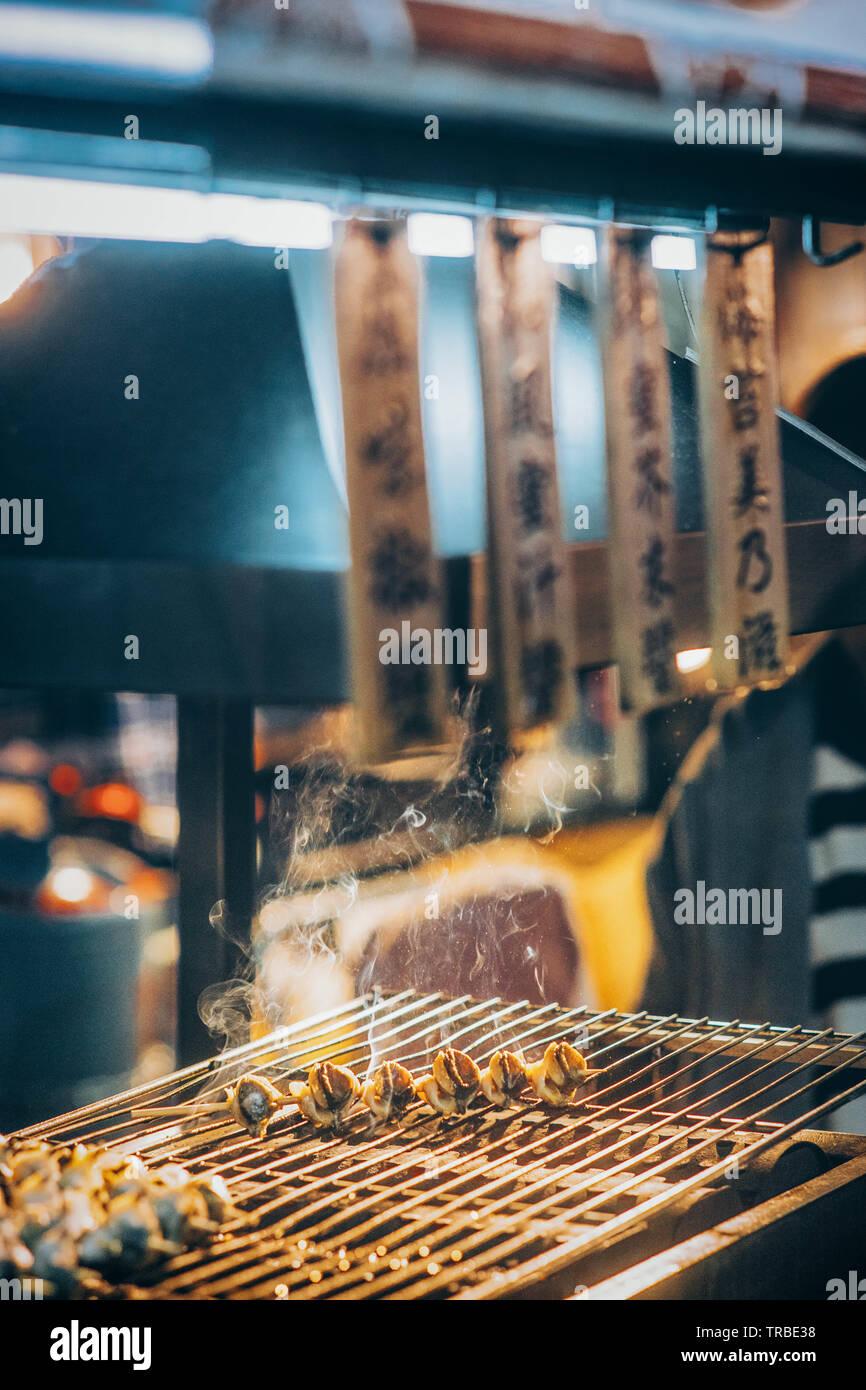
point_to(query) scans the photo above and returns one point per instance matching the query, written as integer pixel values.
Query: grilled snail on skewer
(253, 1102)
(505, 1077)
(327, 1094)
(455, 1081)
(388, 1091)
(557, 1078)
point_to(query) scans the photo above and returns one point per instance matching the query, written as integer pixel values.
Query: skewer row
(454, 1082)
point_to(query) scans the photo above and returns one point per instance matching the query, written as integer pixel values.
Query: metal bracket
(812, 245)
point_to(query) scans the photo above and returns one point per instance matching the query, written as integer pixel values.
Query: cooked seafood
(453, 1084)
(27, 1158)
(388, 1091)
(253, 1101)
(182, 1215)
(327, 1094)
(92, 1169)
(130, 1239)
(56, 1260)
(66, 1211)
(14, 1254)
(217, 1199)
(505, 1077)
(557, 1078)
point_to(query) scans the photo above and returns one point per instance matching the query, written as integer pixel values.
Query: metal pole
(215, 854)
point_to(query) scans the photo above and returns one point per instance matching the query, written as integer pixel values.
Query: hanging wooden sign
(748, 579)
(394, 587)
(531, 609)
(641, 520)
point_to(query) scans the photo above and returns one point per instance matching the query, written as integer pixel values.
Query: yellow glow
(162, 822)
(71, 885)
(16, 263)
(694, 659)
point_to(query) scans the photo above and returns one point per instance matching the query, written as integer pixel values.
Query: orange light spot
(116, 800)
(65, 779)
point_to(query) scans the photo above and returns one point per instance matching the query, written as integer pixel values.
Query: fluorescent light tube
(563, 245)
(84, 208)
(439, 234)
(674, 253)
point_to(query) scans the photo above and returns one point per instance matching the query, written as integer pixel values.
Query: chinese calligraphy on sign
(394, 573)
(742, 469)
(535, 627)
(640, 486)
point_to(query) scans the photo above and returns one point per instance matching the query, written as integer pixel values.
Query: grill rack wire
(486, 1204)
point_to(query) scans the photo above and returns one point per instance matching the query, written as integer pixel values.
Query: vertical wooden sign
(531, 608)
(641, 521)
(395, 588)
(748, 580)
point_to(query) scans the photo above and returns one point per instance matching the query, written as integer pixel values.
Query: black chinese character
(652, 485)
(753, 546)
(656, 587)
(536, 578)
(751, 493)
(408, 691)
(745, 408)
(527, 411)
(643, 398)
(400, 569)
(541, 670)
(388, 449)
(383, 347)
(759, 645)
(737, 318)
(531, 487)
(657, 656)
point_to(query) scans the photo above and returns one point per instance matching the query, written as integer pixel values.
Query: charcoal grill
(689, 1127)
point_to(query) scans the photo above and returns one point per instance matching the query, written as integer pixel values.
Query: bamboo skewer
(193, 1108)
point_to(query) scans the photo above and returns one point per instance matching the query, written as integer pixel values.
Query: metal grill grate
(491, 1202)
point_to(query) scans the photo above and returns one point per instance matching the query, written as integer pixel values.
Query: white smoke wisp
(353, 855)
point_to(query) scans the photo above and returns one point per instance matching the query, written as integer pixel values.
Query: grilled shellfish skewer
(327, 1094)
(454, 1082)
(252, 1101)
(388, 1091)
(505, 1077)
(559, 1075)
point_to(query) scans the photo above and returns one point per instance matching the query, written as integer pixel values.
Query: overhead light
(84, 208)
(16, 264)
(562, 245)
(269, 221)
(439, 234)
(161, 45)
(693, 659)
(674, 253)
